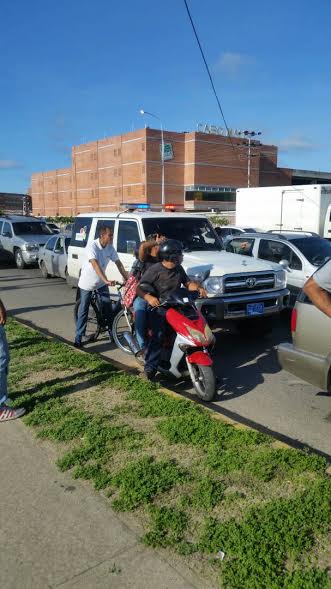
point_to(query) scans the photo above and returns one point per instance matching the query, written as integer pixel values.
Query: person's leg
(4, 363)
(85, 299)
(156, 322)
(140, 307)
(6, 413)
(107, 307)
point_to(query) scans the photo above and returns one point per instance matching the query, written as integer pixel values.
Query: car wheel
(43, 270)
(19, 261)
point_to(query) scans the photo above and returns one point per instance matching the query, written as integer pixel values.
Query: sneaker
(8, 413)
(78, 344)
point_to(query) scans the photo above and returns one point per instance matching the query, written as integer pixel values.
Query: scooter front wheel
(204, 381)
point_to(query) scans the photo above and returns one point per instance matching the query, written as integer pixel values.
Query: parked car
(53, 227)
(21, 237)
(299, 253)
(309, 355)
(53, 256)
(226, 231)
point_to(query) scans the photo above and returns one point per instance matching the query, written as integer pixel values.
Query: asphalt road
(253, 389)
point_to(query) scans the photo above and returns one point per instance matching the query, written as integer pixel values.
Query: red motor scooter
(187, 342)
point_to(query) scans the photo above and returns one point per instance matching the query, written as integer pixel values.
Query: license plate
(255, 309)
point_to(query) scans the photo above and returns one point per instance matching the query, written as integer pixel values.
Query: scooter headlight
(204, 338)
(214, 285)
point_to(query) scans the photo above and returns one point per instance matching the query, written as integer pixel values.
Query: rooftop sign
(215, 130)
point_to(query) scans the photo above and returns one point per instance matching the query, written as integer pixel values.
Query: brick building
(200, 170)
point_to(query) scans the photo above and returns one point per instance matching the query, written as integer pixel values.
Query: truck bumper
(235, 307)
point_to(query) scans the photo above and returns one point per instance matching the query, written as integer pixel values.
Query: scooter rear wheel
(204, 381)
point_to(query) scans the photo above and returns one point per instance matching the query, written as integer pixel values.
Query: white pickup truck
(238, 287)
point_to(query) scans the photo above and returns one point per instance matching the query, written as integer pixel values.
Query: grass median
(237, 507)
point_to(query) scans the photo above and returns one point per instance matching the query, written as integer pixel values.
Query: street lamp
(145, 112)
(249, 134)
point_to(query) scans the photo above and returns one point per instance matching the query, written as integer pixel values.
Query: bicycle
(96, 322)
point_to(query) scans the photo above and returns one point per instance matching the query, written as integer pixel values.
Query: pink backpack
(130, 291)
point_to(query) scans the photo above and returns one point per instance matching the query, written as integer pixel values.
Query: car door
(7, 237)
(276, 251)
(47, 254)
(57, 256)
(1, 226)
(127, 242)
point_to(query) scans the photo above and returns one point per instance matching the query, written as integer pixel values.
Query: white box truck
(286, 208)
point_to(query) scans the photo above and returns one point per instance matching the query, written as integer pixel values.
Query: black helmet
(170, 250)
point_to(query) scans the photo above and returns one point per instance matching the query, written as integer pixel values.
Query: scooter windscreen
(182, 296)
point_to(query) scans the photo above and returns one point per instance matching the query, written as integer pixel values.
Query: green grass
(143, 479)
(198, 485)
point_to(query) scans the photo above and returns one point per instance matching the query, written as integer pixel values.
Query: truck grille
(249, 282)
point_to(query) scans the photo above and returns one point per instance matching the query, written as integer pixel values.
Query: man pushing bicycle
(98, 254)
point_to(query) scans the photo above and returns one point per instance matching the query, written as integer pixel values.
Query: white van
(238, 286)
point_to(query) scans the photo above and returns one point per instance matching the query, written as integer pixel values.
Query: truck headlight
(280, 279)
(214, 285)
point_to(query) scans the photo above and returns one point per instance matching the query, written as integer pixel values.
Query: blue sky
(77, 71)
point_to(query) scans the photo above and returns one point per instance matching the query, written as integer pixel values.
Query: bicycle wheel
(121, 324)
(93, 327)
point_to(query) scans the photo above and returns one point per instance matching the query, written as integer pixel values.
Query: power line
(212, 84)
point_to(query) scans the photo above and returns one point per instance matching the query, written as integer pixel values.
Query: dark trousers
(156, 323)
(106, 306)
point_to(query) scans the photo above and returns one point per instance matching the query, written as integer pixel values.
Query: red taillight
(294, 318)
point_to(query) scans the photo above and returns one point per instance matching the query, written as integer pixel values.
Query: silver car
(300, 253)
(53, 256)
(21, 237)
(309, 354)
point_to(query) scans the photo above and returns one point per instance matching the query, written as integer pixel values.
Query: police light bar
(133, 206)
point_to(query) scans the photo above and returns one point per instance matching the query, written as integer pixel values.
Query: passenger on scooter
(147, 256)
(162, 278)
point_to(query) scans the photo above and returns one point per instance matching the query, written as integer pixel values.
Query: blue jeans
(140, 320)
(85, 299)
(156, 321)
(4, 363)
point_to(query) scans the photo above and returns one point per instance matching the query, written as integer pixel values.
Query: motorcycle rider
(162, 278)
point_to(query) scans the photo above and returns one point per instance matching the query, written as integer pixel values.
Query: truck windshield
(316, 250)
(35, 228)
(196, 234)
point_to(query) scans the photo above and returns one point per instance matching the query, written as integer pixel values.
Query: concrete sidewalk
(59, 532)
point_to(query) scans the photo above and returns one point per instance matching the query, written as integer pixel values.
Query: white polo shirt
(89, 280)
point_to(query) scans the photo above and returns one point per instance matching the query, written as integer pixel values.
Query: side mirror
(285, 264)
